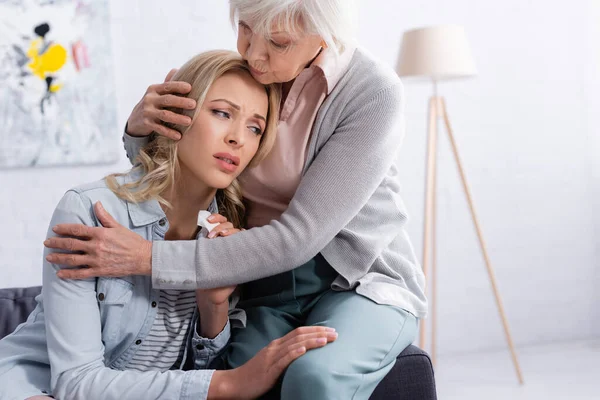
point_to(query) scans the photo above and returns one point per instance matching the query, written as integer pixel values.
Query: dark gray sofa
(411, 378)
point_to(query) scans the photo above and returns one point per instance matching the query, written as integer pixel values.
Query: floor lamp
(437, 54)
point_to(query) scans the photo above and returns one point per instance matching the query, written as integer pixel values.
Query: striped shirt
(164, 346)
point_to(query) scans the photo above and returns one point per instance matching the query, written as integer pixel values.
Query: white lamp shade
(436, 53)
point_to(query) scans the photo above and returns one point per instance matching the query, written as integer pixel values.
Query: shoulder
(93, 191)
(80, 200)
(368, 84)
(369, 75)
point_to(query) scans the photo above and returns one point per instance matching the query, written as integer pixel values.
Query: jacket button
(153, 304)
(138, 341)
(101, 296)
(199, 347)
(162, 222)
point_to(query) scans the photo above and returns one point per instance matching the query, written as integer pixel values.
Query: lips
(227, 162)
(228, 158)
(256, 72)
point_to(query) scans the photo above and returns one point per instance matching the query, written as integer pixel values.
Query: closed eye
(280, 46)
(245, 27)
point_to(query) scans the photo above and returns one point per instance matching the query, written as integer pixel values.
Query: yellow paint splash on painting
(53, 59)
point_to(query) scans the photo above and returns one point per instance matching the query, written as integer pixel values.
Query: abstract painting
(57, 92)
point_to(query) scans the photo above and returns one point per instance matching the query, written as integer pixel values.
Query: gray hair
(332, 20)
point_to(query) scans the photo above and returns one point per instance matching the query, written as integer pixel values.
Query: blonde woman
(118, 338)
(328, 243)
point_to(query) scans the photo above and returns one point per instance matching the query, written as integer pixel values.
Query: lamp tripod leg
(429, 200)
(482, 242)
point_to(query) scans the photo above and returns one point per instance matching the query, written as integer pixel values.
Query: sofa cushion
(15, 306)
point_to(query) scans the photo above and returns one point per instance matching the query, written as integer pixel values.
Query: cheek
(285, 69)
(251, 150)
(242, 44)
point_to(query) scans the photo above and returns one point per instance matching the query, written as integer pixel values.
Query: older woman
(327, 244)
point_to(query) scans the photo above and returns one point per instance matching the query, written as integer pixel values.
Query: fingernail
(225, 231)
(54, 229)
(301, 350)
(330, 329)
(321, 341)
(332, 335)
(46, 242)
(49, 258)
(212, 234)
(211, 218)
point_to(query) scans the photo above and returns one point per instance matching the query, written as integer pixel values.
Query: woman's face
(280, 59)
(226, 132)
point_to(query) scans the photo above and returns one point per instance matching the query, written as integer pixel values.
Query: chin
(265, 79)
(220, 182)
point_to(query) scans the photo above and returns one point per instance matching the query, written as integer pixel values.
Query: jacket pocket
(114, 296)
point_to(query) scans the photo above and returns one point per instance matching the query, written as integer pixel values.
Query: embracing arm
(346, 173)
(75, 347)
(340, 181)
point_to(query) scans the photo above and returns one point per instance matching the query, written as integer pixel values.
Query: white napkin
(203, 222)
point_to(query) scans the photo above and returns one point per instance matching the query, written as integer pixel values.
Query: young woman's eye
(222, 114)
(256, 130)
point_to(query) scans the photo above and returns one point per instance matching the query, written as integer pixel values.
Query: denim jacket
(88, 330)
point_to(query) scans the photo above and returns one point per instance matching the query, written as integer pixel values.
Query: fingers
(83, 273)
(172, 117)
(68, 244)
(223, 229)
(78, 230)
(306, 330)
(172, 101)
(164, 131)
(216, 219)
(170, 74)
(301, 344)
(104, 217)
(228, 232)
(303, 339)
(68, 259)
(171, 88)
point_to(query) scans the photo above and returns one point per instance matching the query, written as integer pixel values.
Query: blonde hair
(332, 20)
(158, 159)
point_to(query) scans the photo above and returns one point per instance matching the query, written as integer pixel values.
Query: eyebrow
(232, 104)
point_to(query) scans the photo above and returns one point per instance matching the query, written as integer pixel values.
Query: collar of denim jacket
(150, 211)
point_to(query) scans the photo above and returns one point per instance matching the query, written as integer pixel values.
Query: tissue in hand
(203, 222)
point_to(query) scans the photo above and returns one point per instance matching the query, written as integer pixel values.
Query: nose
(235, 136)
(256, 50)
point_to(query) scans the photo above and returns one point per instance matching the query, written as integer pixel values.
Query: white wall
(526, 130)
(593, 111)
(524, 127)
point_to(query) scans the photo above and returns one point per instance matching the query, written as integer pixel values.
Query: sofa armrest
(15, 306)
(411, 378)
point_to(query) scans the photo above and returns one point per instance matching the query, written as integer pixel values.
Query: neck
(187, 196)
(286, 86)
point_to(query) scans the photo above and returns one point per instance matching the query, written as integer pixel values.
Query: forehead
(240, 88)
(288, 24)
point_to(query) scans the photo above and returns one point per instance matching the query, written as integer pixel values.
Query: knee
(307, 378)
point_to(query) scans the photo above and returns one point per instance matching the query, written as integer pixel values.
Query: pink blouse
(269, 187)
